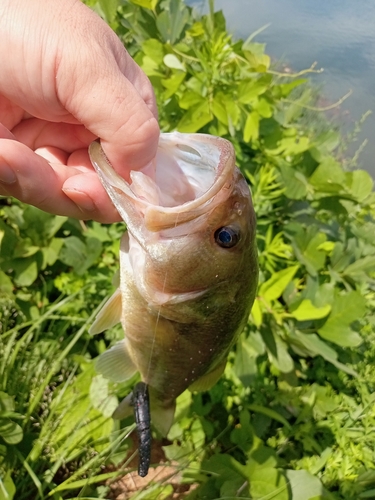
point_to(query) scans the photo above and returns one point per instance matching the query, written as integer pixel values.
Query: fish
(188, 269)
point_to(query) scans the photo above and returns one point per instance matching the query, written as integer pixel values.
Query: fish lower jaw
(157, 299)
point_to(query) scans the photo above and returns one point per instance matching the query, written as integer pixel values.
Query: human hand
(65, 80)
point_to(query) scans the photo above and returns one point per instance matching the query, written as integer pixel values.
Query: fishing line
(155, 330)
(141, 404)
(158, 314)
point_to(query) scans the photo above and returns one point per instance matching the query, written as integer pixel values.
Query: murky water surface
(338, 34)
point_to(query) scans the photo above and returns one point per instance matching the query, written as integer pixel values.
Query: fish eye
(227, 237)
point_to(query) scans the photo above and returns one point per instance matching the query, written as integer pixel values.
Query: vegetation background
(293, 418)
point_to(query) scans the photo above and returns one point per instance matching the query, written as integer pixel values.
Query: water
(338, 34)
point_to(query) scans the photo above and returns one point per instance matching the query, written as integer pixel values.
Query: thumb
(111, 95)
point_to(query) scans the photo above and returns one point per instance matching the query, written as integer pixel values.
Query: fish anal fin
(109, 315)
(116, 363)
(125, 408)
(209, 379)
(162, 417)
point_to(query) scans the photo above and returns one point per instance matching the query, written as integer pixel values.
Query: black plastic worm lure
(141, 405)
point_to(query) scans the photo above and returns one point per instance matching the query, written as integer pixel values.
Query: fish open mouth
(190, 175)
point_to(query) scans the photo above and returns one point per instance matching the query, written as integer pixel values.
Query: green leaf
(346, 309)
(243, 434)
(307, 244)
(230, 488)
(286, 88)
(264, 108)
(93, 249)
(254, 53)
(150, 67)
(219, 110)
(74, 254)
(195, 119)
(224, 467)
(317, 347)
(154, 49)
(51, 252)
(8, 240)
(305, 486)
(249, 90)
(275, 286)
(256, 313)
(109, 9)
(341, 257)
(41, 226)
(260, 457)
(360, 184)
(360, 266)
(234, 113)
(172, 61)
(6, 402)
(6, 285)
(277, 350)
(26, 269)
(190, 99)
(269, 483)
(173, 83)
(171, 22)
(100, 398)
(329, 177)
(147, 4)
(327, 142)
(269, 413)
(295, 182)
(306, 311)
(291, 146)
(7, 487)
(280, 356)
(251, 130)
(10, 431)
(248, 349)
(155, 492)
(367, 494)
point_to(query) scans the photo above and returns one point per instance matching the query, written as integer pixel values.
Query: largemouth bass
(188, 269)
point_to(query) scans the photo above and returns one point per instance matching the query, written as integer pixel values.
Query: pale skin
(66, 80)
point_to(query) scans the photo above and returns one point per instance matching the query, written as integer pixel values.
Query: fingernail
(82, 200)
(7, 175)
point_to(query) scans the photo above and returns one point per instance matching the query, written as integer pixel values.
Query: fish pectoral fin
(125, 408)
(116, 363)
(109, 315)
(209, 379)
(162, 418)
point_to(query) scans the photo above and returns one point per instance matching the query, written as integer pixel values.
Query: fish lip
(156, 217)
(166, 298)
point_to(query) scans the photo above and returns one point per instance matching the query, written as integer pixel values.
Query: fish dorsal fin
(209, 379)
(116, 363)
(109, 315)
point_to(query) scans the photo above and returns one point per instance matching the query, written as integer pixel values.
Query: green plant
(292, 418)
